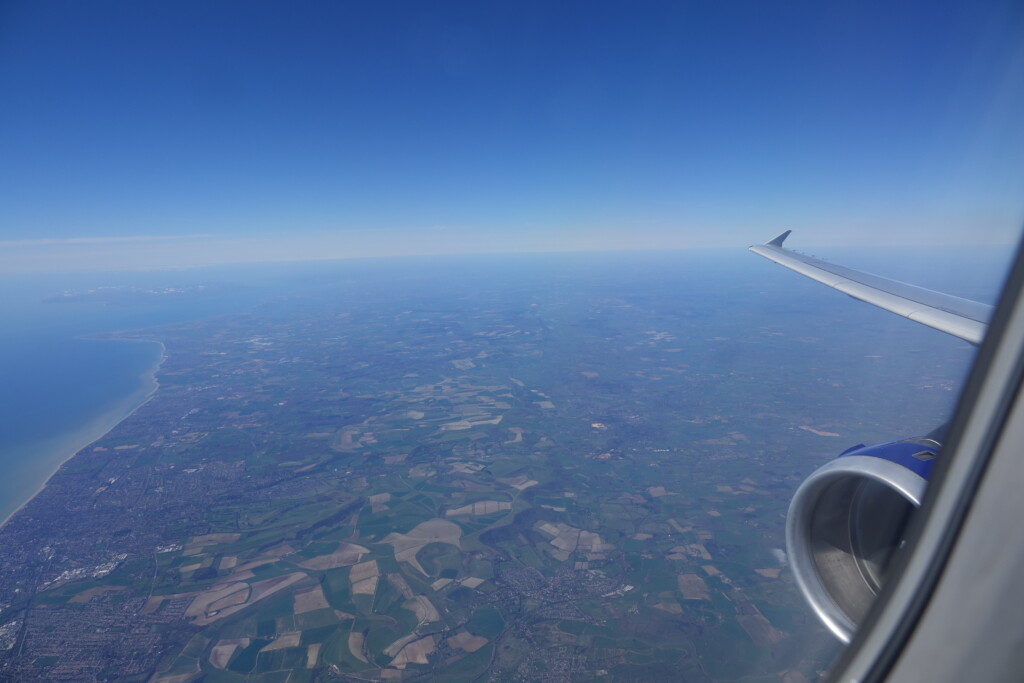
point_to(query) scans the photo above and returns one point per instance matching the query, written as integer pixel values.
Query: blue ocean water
(61, 389)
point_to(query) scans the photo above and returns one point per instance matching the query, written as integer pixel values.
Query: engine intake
(847, 519)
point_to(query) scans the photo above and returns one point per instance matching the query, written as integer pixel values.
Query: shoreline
(103, 424)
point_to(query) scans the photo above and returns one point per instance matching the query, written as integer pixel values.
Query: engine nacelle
(846, 520)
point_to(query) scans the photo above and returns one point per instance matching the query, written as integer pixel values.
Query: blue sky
(166, 134)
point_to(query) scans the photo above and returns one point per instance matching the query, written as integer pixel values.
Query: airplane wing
(961, 318)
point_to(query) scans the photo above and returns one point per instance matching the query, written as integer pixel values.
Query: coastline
(54, 453)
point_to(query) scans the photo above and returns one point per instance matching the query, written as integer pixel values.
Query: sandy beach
(49, 456)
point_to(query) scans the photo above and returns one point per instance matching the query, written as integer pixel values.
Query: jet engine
(846, 520)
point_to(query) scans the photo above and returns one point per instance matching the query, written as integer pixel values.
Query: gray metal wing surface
(961, 318)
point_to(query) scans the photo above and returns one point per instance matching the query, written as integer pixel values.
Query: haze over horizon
(187, 134)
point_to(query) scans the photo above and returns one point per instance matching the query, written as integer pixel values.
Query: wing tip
(777, 242)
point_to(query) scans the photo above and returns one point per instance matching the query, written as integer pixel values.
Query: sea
(64, 382)
(65, 379)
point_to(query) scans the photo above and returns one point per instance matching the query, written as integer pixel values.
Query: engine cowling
(847, 519)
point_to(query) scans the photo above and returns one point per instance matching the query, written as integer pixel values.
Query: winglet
(777, 242)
